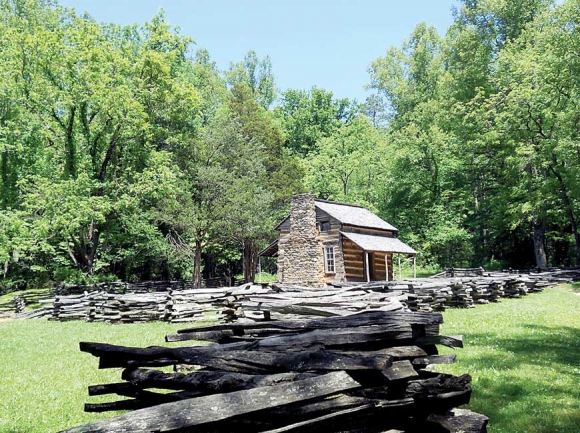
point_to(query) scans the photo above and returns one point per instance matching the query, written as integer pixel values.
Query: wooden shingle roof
(353, 215)
(379, 243)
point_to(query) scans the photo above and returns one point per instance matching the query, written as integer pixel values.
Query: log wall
(354, 260)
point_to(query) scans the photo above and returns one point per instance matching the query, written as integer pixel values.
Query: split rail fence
(274, 300)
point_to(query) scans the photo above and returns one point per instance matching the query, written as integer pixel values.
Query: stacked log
(366, 372)
(72, 307)
(496, 290)
(39, 313)
(421, 295)
(124, 287)
(461, 295)
(129, 308)
(196, 304)
(170, 306)
(428, 298)
(515, 288)
(276, 301)
(19, 304)
(284, 300)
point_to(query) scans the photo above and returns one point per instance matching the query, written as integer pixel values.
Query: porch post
(367, 266)
(414, 267)
(387, 265)
(400, 273)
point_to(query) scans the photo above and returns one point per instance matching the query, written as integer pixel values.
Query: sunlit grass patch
(524, 356)
(45, 376)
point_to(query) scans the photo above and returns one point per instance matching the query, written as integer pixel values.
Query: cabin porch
(370, 258)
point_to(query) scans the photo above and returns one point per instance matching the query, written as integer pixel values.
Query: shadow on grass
(542, 346)
(575, 287)
(529, 383)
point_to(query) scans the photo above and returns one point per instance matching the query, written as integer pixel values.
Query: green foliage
(348, 163)
(309, 116)
(123, 154)
(257, 75)
(480, 149)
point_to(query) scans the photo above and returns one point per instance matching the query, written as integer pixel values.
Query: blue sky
(323, 43)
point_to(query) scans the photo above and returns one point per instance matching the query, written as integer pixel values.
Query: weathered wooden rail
(365, 372)
(170, 306)
(460, 272)
(424, 295)
(282, 300)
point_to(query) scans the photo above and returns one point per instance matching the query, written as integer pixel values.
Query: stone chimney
(303, 261)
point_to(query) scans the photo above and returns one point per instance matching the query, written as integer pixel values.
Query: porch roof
(379, 243)
(270, 251)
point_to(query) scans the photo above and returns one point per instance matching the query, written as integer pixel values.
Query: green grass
(44, 377)
(266, 277)
(421, 273)
(407, 269)
(524, 357)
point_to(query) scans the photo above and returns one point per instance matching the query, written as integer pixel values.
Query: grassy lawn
(523, 354)
(44, 376)
(524, 357)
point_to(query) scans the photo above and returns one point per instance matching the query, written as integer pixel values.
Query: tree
(537, 111)
(482, 30)
(271, 189)
(409, 76)
(257, 75)
(421, 188)
(348, 164)
(98, 100)
(307, 117)
(283, 175)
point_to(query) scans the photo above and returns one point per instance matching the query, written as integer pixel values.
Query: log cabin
(322, 242)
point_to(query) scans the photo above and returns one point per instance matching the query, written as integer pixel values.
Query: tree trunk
(573, 224)
(539, 234)
(197, 265)
(250, 261)
(569, 210)
(4, 176)
(85, 248)
(95, 235)
(70, 163)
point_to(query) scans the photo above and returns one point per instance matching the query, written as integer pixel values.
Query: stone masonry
(303, 261)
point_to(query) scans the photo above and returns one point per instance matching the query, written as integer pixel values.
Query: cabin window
(324, 226)
(329, 260)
